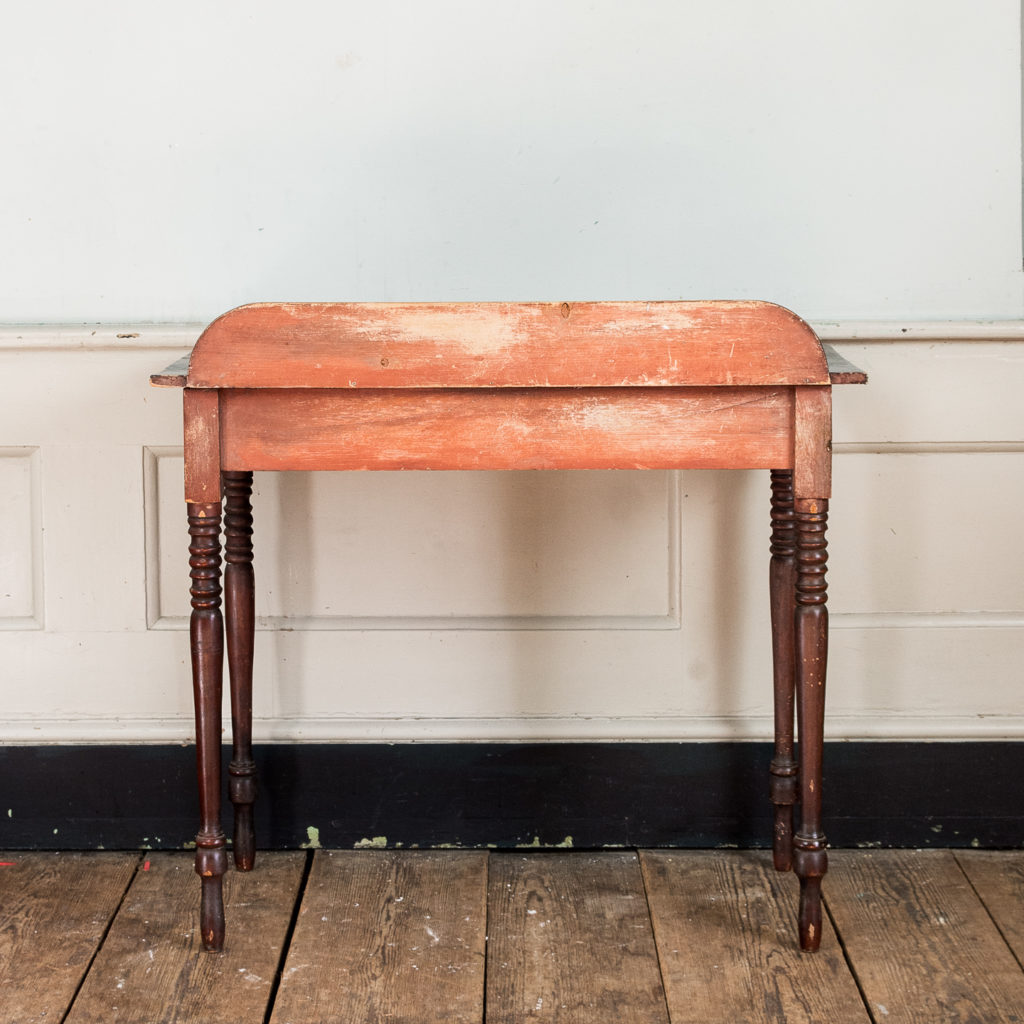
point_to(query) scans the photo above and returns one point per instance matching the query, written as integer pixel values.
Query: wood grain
(388, 936)
(444, 345)
(812, 443)
(152, 968)
(726, 933)
(920, 942)
(629, 428)
(840, 371)
(571, 940)
(202, 446)
(54, 910)
(998, 878)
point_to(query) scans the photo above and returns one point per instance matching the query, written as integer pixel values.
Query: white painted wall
(855, 163)
(849, 160)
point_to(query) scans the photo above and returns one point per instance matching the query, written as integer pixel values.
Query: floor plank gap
(922, 944)
(846, 956)
(56, 911)
(388, 935)
(103, 938)
(286, 944)
(650, 914)
(725, 926)
(997, 879)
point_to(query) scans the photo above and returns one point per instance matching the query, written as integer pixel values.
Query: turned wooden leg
(782, 586)
(207, 642)
(239, 607)
(810, 861)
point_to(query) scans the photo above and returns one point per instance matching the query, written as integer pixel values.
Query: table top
(508, 345)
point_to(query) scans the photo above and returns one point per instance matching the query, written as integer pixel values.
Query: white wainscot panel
(930, 392)
(591, 550)
(928, 534)
(926, 683)
(20, 539)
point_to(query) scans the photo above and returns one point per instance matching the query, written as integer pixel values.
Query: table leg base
(783, 796)
(810, 866)
(211, 915)
(244, 846)
(211, 864)
(242, 791)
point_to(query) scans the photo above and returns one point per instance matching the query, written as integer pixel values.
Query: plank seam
(103, 939)
(848, 959)
(300, 894)
(642, 865)
(487, 935)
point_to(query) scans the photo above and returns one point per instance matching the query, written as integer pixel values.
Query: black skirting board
(570, 795)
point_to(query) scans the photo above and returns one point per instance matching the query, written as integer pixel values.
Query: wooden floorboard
(152, 969)
(998, 879)
(419, 937)
(920, 942)
(727, 943)
(571, 940)
(386, 936)
(54, 911)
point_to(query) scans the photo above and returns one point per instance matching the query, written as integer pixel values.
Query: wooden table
(606, 385)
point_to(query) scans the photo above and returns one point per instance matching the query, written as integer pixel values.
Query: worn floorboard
(387, 936)
(419, 937)
(151, 968)
(922, 945)
(727, 943)
(54, 910)
(570, 940)
(998, 879)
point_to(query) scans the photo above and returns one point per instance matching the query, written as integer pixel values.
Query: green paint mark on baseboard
(313, 838)
(565, 844)
(376, 843)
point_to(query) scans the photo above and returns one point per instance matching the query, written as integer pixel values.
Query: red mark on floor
(145, 867)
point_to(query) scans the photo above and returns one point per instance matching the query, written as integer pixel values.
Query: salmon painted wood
(473, 386)
(458, 345)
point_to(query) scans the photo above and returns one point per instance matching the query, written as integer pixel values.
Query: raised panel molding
(556, 651)
(21, 534)
(536, 551)
(926, 509)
